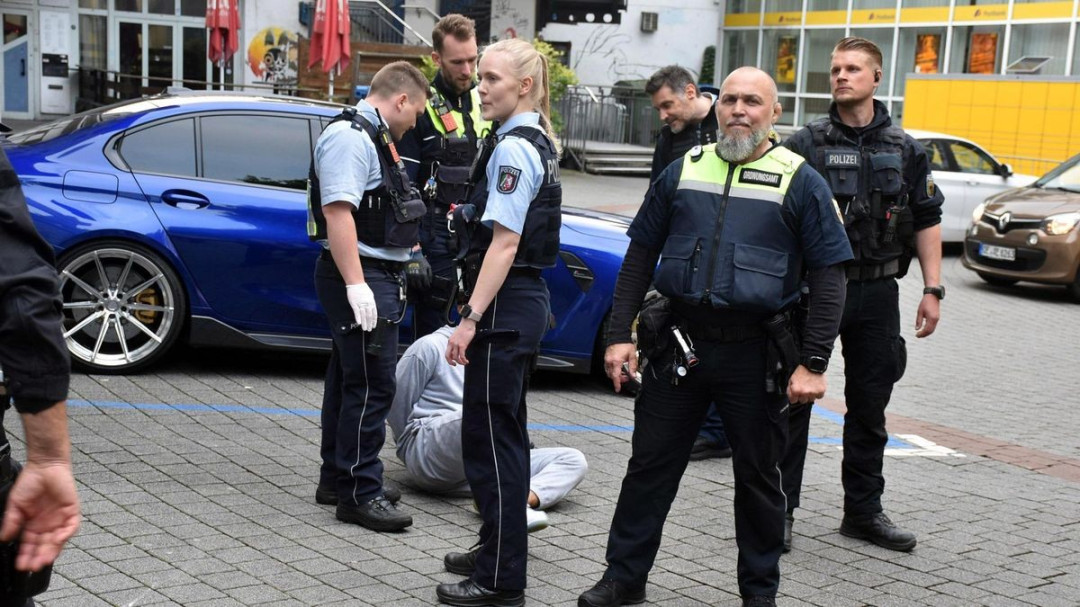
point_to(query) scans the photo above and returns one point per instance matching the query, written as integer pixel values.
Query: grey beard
(734, 148)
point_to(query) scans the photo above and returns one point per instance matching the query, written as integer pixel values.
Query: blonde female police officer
(505, 316)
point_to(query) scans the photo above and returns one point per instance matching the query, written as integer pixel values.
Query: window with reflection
(812, 109)
(92, 41)
(970, 159)
(257, 149)
(783, 6)
(923, 3)
(1041, 40)
(936, 155)
(167, 148)
(787, 104)
(909, 51)
(780, 57)
(744, 6)
(740, 48)
(102, 4)
(977, 50)
(818, 58)
(134, 6)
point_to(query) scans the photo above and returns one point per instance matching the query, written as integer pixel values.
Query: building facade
(792, 40)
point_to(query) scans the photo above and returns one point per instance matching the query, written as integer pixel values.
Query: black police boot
(789, 520)
(327, 494)
(704, 449)
(609, 593)
(878, 529)
(377, 514)
(461, 563)
(468, 593)
(758, 601)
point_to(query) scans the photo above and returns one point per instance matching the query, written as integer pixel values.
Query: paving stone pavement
(197, 480)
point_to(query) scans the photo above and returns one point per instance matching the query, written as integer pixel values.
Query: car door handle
(184, 199)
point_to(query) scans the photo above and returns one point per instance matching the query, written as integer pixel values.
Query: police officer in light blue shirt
(513, 236)
(367, 217)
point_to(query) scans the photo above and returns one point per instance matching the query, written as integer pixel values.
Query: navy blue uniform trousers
(494, 439)
(666, 421)
(874, 360)
(359, 385)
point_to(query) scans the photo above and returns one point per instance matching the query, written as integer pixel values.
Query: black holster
(655, 319)
(782, 356)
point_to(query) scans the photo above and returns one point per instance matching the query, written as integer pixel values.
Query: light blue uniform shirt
(347, 164)
(514, 175)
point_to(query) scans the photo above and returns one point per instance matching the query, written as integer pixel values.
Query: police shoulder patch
(508, 179)
(930, 189)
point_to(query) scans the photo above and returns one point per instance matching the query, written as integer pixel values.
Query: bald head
(746, 110)
(749, 76)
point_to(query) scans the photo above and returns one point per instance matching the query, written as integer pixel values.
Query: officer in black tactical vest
(892, 211)
(438, 154)
(366, 216)
(40, 506)
(509, 235)
(735, 226)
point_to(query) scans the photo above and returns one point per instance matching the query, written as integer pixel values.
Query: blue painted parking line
(836, 418)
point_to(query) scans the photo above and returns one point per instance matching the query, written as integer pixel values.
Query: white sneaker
(535, 520)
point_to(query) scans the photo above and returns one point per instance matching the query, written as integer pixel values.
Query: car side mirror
(1005, 170)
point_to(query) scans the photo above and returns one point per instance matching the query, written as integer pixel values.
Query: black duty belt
(523, 272)
(721, 333)
(874, 272)
(369, 262)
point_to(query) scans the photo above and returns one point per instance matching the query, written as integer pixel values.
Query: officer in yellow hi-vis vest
(438, 154)
(737, 227)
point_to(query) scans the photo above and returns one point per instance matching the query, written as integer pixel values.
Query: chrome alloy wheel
(121, 308)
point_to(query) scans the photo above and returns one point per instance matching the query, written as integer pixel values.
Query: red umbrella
(330, 37)
(223, 20)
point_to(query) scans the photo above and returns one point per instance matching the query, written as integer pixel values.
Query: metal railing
(591, 113)
(381, 24)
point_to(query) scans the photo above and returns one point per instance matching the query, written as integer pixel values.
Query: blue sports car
(181, 217)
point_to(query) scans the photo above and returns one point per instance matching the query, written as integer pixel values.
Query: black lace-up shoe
(468, 593)
(461, 563)
(378, 514)
(758, 601)
(327, 494)
(878, 529)
(609, 593)
(789, 521)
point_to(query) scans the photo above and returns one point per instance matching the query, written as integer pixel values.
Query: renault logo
(1003, 221)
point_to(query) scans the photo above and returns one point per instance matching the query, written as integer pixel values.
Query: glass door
(15, 74)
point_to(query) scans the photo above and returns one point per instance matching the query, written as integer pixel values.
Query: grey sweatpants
(432, 455)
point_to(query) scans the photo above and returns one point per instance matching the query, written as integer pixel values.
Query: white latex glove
(362, 301)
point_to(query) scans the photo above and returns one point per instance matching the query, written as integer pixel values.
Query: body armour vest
(460, 132)
(729, 244)
(389, 215)
(867, 180)
(539, 244)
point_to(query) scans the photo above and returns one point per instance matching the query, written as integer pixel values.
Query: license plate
(996, 252)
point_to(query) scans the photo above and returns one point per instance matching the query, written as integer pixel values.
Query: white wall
(281, 20)
(604, 54)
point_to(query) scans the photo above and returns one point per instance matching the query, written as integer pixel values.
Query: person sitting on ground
(425, 419)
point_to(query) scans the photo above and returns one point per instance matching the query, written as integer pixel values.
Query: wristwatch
(938, 291)
(815, 364)
(468, 312)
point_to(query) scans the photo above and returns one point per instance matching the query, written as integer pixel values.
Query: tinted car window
(261, 150)
(168, 148)
(936, 156)
(971, 159)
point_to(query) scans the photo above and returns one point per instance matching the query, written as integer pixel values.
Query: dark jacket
(33, 356)
(672, 146)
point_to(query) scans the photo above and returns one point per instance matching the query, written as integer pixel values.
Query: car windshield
(1064, 177)
(70, 124)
